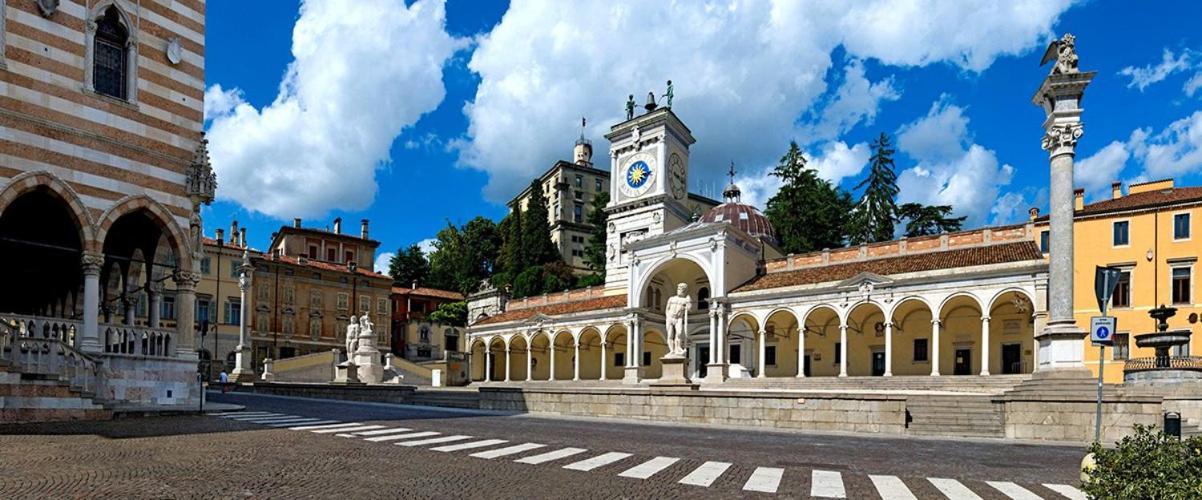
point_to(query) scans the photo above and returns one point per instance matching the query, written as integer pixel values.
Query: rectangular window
(921, 350)
(646, 359)
(1044, 241)
(233, 312)
(313, 252)
(838, 352)
(315, 328)
(1122, 291)
(1181, 285)
(597, 185)
(382, 306)
(315, 299)
(234, 273)
(167, 307)
(619, 359)
(350, 256)
(332, 254)
(1122, 236)
(1181, 226)
(204, 310)
(344, 301)
(1122, 349)
(580, 181)
(364, 304)
(770, 355)
(206, 265)
(578, 213)
(736, 354)
(578, 194)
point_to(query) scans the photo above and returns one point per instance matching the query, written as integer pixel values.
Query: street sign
(1101, 330)
(1104, 281)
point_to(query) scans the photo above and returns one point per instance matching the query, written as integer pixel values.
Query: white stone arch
(896, 304)
(635, 297)
(1030, 296)
(952, 296)
(824, 305)
(124, 8)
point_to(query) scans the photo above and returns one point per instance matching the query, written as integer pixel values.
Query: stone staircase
(38, 398)
(446, 398)
(956, 415)
(42, 377)
(992, 384)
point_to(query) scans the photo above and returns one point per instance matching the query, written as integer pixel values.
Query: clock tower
(649, 176)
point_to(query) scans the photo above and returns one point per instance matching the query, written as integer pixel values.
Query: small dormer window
(110, 72)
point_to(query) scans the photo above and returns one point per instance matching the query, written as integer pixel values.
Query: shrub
(1148, 464)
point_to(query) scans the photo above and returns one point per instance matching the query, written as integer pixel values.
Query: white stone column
(507, 363)
(488, 363)
(529, 360)
(576, 361)
(185, 308)
(713, 315)
(984, 345)
(801, 352)
(935, 323)
(154, 295)
(760, 353)
(604, 361)
(842, 349)
(888, 348)
(90, 341)
(242, 355)
(634, 346)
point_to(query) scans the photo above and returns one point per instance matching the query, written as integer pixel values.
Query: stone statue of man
(668, 95)
(676, 313)
(352, 337)
(630, 107)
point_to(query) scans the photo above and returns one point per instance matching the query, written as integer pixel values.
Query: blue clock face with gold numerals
(638, 174)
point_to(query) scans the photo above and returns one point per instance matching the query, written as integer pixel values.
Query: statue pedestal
(371, 370)
(675, 374)
(242, 369)
(632, 375)
(1061, 349)
(715, 373)
(347, 373)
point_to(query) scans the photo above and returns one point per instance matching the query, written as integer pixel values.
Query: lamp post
(353, 268)
(217, 331)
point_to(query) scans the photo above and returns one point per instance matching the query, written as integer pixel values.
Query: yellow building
(1148, 233)
(218, 299)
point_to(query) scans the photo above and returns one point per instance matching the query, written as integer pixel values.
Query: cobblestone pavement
(260, 453)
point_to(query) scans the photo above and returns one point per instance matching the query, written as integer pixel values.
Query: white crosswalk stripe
(597, 461)
(380, 432)
(764, 480)
(1013, 490)
(827, 484)
(891, 488)
(953, 489)
(343, 425)
(244, 417)
(398, 437)
(242, 414)
(649, 468)
(550, 455)
(1067, 491)
(286, 421)
(269, 420)
(469, 446)
(706, 474)
(437, 440)
(508, 450)
(346, 429)
(310, 422)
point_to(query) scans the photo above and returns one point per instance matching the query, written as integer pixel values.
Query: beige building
(218, 298)
(569, 188)
(102, 174)
(307, 287)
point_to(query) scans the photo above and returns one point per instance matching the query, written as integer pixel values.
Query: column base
(675, 374)
(633, 375)
(715, 373)
(1061, 347)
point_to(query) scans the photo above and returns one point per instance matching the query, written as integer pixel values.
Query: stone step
(26, 415)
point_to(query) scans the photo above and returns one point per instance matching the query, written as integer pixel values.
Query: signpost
(1101, 331)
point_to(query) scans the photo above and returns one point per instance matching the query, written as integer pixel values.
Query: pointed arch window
(110, 71)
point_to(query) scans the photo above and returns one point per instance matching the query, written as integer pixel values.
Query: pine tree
(537, 247)
(923, 220)
(873, 218)
(807, 212)
(594, 253)
(409, 266)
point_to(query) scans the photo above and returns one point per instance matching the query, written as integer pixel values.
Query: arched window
(110, 71)
(703, 297)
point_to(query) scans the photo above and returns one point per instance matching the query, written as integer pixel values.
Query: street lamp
(352, 267)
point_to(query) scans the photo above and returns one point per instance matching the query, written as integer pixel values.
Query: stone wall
(374, 393)
(1073, 420)
(143, 381)
(883, 414)
(316, 367)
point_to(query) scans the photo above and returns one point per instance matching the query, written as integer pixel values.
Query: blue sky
(413, 114)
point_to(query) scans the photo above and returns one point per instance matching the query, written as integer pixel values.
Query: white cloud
(834, 162)
(952, 170)
(1010, 207)
(745, 73)
(1174, 151)
(1144, 76)
(857, 100)
(1193, 84)
(382, 261)
(427, 246)
(362, 72)
(1096, 172)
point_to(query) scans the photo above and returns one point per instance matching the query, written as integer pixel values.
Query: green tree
(536, 230)
(409, 265)
(874, 216)
(463, 257)
(594, 252)
(923, 220)
(557, 276)
(528, 282)
(1148, 464)
(807, 212)
(450, 313)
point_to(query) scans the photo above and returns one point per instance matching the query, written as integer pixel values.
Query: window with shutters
(109, 57)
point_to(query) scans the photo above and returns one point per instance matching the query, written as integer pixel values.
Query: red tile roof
(927, 261)
(328, 266)
(596, 304)
(1148, 199)
(427, 292)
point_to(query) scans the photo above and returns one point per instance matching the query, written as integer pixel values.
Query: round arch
(589, 352)
(636, 295)
(615, 341)
(496, 350)
(518, 349)
(157, 214)
(957, 295)
(563, 349)
(820, 325)
(993, 301)
(32, 181)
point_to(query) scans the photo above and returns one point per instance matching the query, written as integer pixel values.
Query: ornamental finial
(201, 181)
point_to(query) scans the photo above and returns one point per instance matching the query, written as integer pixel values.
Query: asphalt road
(241, 455)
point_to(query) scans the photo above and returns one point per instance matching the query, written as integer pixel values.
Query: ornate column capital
(92, 263)
(1062, 138)
(185, 280)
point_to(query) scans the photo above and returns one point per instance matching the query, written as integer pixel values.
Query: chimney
(242, 238)
(363, 229)
(296, 222)
(1116, 190)
(338, 225)
(234, 233)
(1079, 199)
(1033, 212)
(220, 236)
(413, 286)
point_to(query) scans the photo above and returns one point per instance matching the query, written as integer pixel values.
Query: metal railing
(43, 346)
(1163, 363)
